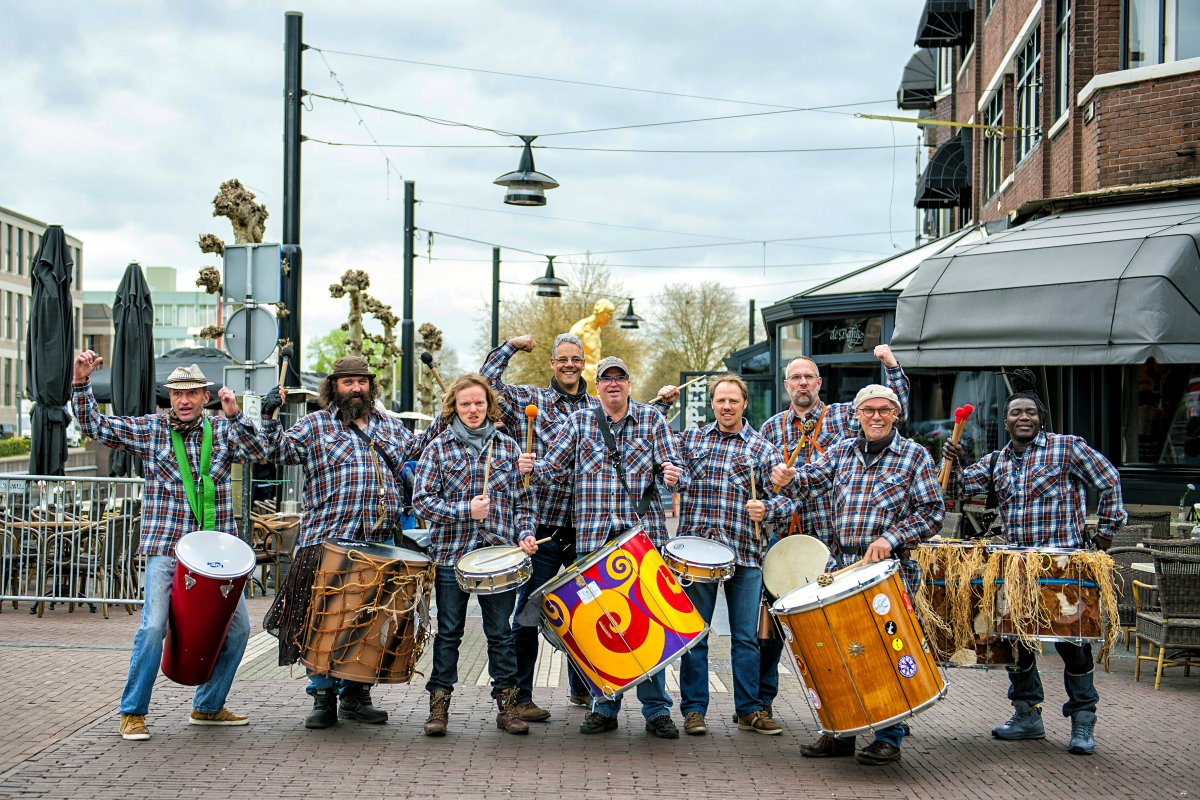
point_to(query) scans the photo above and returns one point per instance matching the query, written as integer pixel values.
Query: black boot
(356, 704)
(324, 710)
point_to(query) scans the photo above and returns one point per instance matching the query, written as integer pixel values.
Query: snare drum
(859, 650)
(492, 570)
(619, 614)
(698, 560)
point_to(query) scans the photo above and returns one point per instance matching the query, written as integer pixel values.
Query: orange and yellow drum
(620, 615)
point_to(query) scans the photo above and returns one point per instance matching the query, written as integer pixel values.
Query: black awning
(1098, 286)
(946, 181)
(918, 85)
(946, 23)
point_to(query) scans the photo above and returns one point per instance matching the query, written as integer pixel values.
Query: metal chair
(1176, 626)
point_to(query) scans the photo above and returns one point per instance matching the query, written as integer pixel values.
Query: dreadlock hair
(1024, 384)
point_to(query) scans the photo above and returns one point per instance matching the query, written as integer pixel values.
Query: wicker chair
(1176, 627)
(1176, 547)
(1125, 558)
(1131, 535)
(1159, 520)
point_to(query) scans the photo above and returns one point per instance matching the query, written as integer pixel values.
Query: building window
(8, 316)
(845, 336)
(1062, 58)
(1028, 88)
(993, 146)
(945, 69)
(988, 5)
(8, 368)
(1162, 409)
(6, 246)
(1158, 31)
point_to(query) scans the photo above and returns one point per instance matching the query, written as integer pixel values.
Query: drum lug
(188, 581)
(226, 589)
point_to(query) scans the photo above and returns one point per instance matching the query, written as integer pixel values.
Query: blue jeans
(893, 735)
(652, 694)
(451, 620)
(148, 646)
(546, 563)
(743, 594)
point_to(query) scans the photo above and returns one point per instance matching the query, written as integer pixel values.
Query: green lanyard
(206, 514)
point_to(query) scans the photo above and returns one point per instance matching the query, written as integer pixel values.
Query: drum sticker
(589, 592)
(856, 648)
(907, 666)
(801, 667)
(890, 627)
(881, 604)
(814, 698)
(897, 643)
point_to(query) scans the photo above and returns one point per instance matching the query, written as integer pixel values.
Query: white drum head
(499, 560)
(850, 582)
(215, 554)
(697, 550)
(792, 562)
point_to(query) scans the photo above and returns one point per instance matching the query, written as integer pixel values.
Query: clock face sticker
(881, 604)
(907, 666)
(890, 627)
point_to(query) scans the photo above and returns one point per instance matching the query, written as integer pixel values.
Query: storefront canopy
(945, 23)
(946, 181)
(1114, 285)
(919, 82)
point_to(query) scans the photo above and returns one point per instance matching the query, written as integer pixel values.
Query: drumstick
(681, 387)
(530, 414)
(754, 496)
(960, 420)
(285, 357)
(827, 578)
(487, 468)
(795, 452)
(427, 360)
(499, 556)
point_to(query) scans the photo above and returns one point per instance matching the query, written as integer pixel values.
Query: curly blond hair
(450, 398)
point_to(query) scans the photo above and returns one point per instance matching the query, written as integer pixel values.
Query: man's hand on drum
(480, 506)
(525, 463)
(756, 509)
(228, 402)
(782, 474)
(671, 473)
(85, 362)
(529, 545)
(953, 450)
(878, 550)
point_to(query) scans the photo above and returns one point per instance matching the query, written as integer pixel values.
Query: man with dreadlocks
(1040, 479)
(352, 456)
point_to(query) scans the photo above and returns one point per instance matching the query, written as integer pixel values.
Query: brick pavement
(63, 676)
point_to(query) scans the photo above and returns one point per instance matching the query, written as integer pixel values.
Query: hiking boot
(324, 710)
(1025, 723)
(827, 746)
(439, 713)
(693, 724)
(133, 726)
(1083, 725)
(222, 717)
(877, 753)
(662, 727)
(759, 722)
(508, 720)
(530, 712)
(580, 700)
(595, 722)
(355, 703)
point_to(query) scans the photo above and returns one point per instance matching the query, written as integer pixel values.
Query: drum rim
(522, 557)
(245, 552)
(590, 560)
(679, 557)
(347, 545)
(892, 566)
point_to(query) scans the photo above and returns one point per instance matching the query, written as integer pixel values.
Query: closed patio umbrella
(50, 349)
(133, 380)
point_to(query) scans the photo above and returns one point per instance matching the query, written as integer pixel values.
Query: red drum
(211, 569)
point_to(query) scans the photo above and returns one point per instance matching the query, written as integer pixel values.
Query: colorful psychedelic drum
(619, 614)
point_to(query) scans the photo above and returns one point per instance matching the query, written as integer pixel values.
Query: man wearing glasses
(815, 427)
(885, 498)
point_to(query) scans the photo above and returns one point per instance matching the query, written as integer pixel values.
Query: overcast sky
(121, 119)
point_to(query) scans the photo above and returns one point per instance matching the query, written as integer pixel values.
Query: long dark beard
(352, 407)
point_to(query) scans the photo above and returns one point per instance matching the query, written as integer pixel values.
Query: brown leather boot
(439, 713)
(509, 719)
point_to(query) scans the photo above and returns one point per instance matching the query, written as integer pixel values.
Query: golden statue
(588, 330)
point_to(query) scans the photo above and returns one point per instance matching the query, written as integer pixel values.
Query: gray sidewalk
(64, 675)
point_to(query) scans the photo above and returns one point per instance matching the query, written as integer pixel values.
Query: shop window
(852, 335)
(1028, 90)
(1161, 419)
(1158, 31)
(945, 69)
(936, 395)
(993, 146)
(1062, 58)
(791, 343)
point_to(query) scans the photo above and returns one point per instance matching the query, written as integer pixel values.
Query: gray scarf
(475, 440)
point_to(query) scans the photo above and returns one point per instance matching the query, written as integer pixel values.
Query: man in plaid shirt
(603, 508)
(816, 427)
(352, 456)
(885, 499)
(168, 513)
(1041, 479)
(723, 459)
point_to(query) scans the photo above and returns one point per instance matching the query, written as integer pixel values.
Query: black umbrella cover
(133, 381)
(50, 350)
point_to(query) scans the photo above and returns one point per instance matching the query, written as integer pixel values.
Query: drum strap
(204, 509)
(618, 460)
(376, 453)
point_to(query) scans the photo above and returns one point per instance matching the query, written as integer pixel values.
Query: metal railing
(70, 539)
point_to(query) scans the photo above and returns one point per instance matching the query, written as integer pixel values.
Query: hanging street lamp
(629, 320)
(549, 285)
(526, 186)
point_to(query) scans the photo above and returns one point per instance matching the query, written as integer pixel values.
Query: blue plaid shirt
(449, 474)
(1042, 491)
(714, 506)
(814, 517)
(342, 488)
(602, 507)
(166, 513)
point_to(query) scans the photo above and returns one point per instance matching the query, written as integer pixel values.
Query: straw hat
(187, 378)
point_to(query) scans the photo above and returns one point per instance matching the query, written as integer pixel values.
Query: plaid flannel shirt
(815, 515)
(1042, 491)
(553, 497)
(602, 507)
(449, 474)
(342, 490)
(714, 506)
(897, 497)
(166, 513)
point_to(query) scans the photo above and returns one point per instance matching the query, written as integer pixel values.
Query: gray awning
(946, 23)
(946, 181)
(1114, 285)
(918, 85)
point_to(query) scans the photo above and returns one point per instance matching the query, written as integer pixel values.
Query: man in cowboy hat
(352, 456)
(175, 447)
